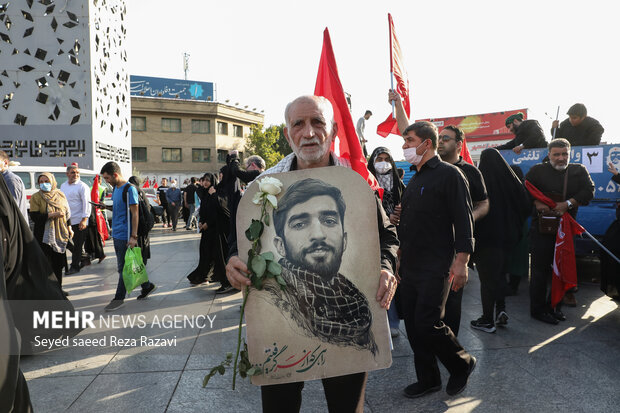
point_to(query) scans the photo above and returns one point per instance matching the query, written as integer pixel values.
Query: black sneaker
(146, 292)
(72, 270)
(458, 382)
(545, 318)
(114, 305)
(502, 319)
(483, 325)
(225, 289)
(416, 390)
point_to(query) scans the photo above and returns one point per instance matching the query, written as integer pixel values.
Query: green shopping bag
(134, 271)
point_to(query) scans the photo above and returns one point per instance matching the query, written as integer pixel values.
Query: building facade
(181, 138)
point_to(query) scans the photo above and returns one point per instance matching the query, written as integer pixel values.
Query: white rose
(270, 186)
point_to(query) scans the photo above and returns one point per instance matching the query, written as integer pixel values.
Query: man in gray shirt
(15, 184)
(361, 125)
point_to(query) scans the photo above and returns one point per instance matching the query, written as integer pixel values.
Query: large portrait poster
(326, 322)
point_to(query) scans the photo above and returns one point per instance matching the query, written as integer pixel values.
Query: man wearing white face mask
(436, 234)
(570, 185)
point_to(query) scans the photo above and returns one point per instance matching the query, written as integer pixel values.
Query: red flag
(155, 185)
(328, 85)
(564, 264)
(146, 183)
(397, 69)
(465, 153)
(102, 227)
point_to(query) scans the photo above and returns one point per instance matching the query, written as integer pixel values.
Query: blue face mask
(46, 187)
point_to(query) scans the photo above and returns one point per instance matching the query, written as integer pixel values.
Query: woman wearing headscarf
(213, 223)
(382, 166)
(144, 241)
(496, 235)
(50, 213)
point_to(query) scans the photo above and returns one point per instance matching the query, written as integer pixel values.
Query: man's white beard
(559, 167)
(316, 156)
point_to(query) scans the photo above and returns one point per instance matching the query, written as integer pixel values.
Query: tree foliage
(270, 144)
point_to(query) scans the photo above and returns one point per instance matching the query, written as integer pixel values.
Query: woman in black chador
(214, 218)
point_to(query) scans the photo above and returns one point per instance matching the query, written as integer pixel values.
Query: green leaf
(253, 371)
(267, 219)
(280, 280)
(248, 234)
(274, 268)
(221, 369)
(256, 229)
(229, 355)
(258, 265)
(268, 256)
(258, 284)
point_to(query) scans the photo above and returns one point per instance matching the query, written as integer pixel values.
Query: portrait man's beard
(320, 258)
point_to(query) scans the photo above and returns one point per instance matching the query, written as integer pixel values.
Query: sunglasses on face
(445, 138)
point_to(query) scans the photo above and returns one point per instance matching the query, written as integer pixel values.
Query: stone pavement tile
(605, 352)
(211, 347)
(69, 363)
(586, 384)
(135, 392)
(189, 396)
(228, 307)
(56, 394)
(153, 358)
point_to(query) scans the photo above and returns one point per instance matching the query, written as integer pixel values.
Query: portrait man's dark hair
(301, 192)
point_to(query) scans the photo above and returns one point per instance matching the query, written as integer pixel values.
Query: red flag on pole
(564, 264)
(328, 85)
(465, 153)
(398, 72)
(102, 228)
(146, 183)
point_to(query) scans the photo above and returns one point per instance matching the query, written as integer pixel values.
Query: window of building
(201, 155)
(171, 154)
(170, 125)
(238, 131)
(138, 154)
(201, 126)
(221, 155)
(222, 128)
(138, 123)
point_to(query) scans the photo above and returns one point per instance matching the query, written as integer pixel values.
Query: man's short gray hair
(255, 160)
(324, 104)
(70, 167)
(559, 143)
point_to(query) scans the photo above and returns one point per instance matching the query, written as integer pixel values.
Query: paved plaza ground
(526, 367)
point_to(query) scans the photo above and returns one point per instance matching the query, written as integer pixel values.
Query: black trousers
(452, 313)
(344, 394)
(57, 261)
(79, 236)
(490, 263)
(165, 215)
(173, 212)
(542, 247)
(424, 296)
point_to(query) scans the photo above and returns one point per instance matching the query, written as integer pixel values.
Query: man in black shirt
(188, 199)
(163, 201)
(579, 129)
(549, 178)
(436, 221)
(449, 149)
(528, 134)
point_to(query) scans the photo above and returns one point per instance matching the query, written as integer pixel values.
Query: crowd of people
(450, 217)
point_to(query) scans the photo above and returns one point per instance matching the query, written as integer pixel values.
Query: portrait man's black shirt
(436, 220)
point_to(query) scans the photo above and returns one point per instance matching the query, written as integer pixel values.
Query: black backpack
(146, 220)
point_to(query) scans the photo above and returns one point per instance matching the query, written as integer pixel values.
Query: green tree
(270, 144)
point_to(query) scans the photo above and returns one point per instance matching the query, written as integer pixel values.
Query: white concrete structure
(64, 87)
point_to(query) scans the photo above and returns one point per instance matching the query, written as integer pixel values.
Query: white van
(30, 174)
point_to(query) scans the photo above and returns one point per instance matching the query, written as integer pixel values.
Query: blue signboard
(172, 88)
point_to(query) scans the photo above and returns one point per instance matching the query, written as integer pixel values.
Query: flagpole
(391, 65)
(557, 115)
(602, 246)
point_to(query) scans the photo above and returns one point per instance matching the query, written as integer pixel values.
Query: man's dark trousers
(343, 394)
(79, 236)
(424, 295)
(542, 247)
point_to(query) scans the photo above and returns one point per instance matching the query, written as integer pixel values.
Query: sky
(462, 57)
